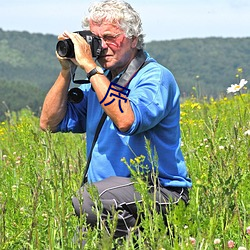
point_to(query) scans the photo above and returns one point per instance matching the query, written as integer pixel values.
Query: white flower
(242, 248)
(247, 133)
(237, 87)
(22, 210)
(217, 241)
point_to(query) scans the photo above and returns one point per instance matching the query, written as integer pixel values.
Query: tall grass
(40, 172)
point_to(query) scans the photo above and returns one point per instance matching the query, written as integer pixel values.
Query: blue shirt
(154, 97)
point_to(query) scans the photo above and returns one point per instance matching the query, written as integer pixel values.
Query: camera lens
(65, 48)
(75, 95)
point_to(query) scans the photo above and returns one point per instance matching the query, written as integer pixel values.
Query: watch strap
(93, 72)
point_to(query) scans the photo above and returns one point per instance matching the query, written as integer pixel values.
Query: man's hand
(83, 54)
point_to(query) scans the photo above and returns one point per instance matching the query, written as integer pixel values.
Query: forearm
(55, 103)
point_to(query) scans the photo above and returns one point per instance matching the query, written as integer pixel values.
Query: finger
(69, 60)
(75, 37)
(70, 35)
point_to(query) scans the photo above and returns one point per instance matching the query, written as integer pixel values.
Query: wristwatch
(96, 70)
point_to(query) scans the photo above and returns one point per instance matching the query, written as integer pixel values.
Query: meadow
(40, 172)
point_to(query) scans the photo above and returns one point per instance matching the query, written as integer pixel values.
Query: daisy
(237, 87)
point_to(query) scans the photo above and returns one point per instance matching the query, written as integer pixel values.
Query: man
(145, 108)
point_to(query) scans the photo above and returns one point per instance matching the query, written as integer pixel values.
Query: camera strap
(136, 64)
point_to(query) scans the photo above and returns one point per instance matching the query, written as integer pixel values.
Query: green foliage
(28, 58)
(14, 95)
(28, 68)
(40, 172)
(208, 62)
(37, 181)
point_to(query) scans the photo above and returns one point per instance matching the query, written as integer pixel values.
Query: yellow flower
(195, 105)
(240, 70)
(132, 162)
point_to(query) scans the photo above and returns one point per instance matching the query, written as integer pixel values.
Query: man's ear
(134, 42)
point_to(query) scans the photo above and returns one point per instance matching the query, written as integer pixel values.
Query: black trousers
(119, 194)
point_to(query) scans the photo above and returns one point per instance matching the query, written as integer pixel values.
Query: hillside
(28, 66)
(211, 63)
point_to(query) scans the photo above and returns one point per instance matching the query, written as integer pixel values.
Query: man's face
(118, 50)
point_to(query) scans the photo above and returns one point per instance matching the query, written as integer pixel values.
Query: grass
(40, 172)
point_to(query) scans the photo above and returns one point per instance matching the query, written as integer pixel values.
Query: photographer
(146, 106)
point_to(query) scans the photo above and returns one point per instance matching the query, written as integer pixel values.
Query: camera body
(65, 48)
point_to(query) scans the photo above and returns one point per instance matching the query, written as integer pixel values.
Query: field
(40, 172)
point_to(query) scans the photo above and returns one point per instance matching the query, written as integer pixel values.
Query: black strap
(136, 64)
(97, 132)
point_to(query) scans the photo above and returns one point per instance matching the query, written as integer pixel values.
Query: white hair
(120, 13)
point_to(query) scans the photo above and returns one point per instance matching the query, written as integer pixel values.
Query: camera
(65, 48)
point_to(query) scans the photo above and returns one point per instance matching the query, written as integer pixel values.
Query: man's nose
(104, 44)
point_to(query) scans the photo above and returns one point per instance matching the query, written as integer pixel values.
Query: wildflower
(198, 182)
(221, 147)
(192, 240)
(247, 133)
(22, 210)
(248, 230)
(242, 248)
(132, 162)
(216, 241)
(195, 106)
(137, 159)
(240, 70)
(237, 87)
(45, 216)
(230, 244)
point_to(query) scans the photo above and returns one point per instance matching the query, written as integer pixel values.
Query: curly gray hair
(120, 12)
